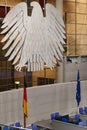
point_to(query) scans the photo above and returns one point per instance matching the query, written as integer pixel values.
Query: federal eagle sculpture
(33, 41)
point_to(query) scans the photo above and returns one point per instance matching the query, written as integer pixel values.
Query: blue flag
(78, 89)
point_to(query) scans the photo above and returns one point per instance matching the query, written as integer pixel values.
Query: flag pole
(24, 121)
(24, 113)
(25, 92)
(25, 102)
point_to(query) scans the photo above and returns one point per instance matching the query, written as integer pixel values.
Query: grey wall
(42, 101)
(70, 71)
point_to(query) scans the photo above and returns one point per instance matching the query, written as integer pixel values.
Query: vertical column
(59, 6)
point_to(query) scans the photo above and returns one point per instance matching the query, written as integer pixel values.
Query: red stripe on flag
(25, 94)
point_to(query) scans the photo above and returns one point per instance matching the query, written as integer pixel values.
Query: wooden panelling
(76, 26)
(9, 2)
(46, 73)
(37, 74)
(14, 2)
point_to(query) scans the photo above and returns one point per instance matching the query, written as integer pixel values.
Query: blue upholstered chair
(77, 116)
(18, 124)
(12, 124)
(11, 128)
(85, 110)
(56, 115)
(86, 122)
(81, 124)
(64, 120)
(52, 116)
(81, 110)
(34, 127)
(5, 128)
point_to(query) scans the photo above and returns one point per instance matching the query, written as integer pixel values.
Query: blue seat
(52, 116)
(81, 124)
(5, 128)
(56, 115)
(85, 110)
(64, 120)
(34, 127)
(81, 110)
(86, 122)
(18, 124)
(77, 116)
(12, 124)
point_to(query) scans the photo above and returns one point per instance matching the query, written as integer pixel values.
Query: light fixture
(17, 84)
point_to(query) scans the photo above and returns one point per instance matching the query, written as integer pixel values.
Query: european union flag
(78, 89)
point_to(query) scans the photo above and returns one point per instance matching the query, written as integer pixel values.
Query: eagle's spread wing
(33, 40)
(55, 31)
(14, 25)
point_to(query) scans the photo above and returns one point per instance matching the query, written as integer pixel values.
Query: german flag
(25, 103)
